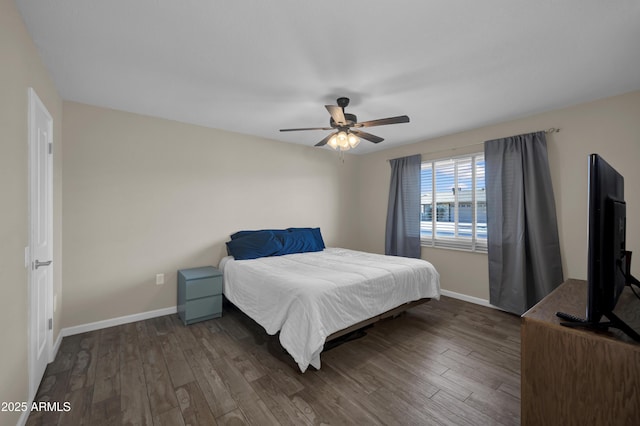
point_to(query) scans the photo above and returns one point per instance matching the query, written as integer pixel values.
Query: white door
(40, 244)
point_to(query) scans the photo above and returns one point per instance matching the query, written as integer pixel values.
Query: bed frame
(333, 340)
(390, 313)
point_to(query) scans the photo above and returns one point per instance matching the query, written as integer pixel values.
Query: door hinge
(50, 323)
(50, 148)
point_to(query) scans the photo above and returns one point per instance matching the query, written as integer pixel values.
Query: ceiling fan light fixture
(353, 140)
(343, 140)
(333, 142)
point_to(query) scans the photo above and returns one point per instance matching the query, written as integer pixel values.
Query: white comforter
(309, 296)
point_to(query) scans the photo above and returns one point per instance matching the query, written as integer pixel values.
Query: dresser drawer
(203, 287)
(205, 307)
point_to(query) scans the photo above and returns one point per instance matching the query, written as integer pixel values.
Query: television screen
(608, 262)
(607, 225)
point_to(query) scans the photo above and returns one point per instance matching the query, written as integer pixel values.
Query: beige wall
(145, 196)
(21, 68)
(610, 127)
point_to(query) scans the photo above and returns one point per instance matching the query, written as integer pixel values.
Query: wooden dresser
(573, 376)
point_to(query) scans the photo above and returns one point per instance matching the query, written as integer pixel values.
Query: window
(455, 186)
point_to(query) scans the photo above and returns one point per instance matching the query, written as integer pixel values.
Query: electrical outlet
(159, 279)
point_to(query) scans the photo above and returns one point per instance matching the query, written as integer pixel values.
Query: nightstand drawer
(204, 287)
(206, 307)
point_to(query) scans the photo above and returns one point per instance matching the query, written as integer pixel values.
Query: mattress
(308, 296)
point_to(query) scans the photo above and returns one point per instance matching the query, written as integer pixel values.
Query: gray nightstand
(199, 294)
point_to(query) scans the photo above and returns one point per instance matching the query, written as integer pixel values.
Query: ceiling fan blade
(384, 121)
(306, 128)
(337, 114)
(324, 141)
(367, 136)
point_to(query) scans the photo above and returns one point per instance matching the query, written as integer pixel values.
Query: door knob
(39, 264)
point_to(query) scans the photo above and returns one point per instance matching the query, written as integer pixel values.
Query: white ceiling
(256, 66)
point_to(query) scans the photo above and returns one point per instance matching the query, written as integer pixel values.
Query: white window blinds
(453, 203)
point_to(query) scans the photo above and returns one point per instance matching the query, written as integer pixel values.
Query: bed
(313, 296)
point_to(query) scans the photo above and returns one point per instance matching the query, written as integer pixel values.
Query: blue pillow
(254, 245)
(241, 234)
(298, 241)
(316, 234)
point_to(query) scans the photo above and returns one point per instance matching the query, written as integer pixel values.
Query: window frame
(473, 243)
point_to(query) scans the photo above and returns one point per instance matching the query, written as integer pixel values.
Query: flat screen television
(608, 261)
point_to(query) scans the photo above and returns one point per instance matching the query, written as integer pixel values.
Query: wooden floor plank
(280, 405)
(461, 409)
(252, 407)
(497, 372)
(79, 412)
(107, 412)
(393, 410)
(160, 390)
(333, 406)
(193, 405)
(108, 357)
(232, 418)
(279, 372)
(66, 355)
(345, 386)
(177, 365)
(83, 371)
(129, 348)
(501, 406)
(172, 417)
(133, 394)
(186, 339)
(53, 388)
(105, 388)
(446, 362)
(216, 393)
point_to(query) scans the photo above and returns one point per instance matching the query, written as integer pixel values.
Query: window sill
(479, 250)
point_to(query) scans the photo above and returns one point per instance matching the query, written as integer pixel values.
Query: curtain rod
(548, 131)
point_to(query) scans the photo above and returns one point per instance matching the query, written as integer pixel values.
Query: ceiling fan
(346, 135)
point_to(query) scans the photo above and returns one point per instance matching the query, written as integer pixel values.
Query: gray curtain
(524, 251)
(403, 212)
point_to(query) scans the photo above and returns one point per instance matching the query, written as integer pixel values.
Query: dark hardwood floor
(445, 362)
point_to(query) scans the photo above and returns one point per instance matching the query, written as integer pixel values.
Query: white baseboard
(98, 325)
(470, 299)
